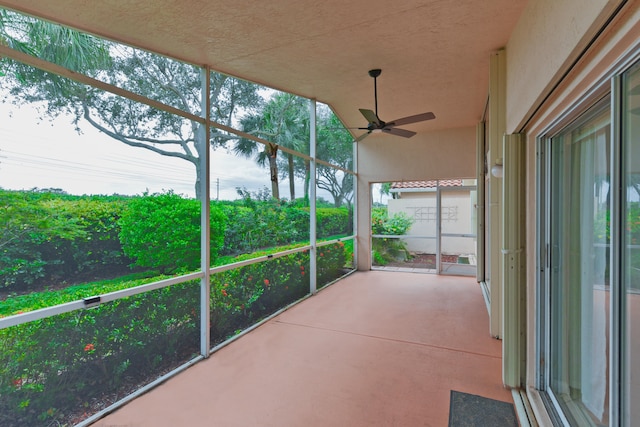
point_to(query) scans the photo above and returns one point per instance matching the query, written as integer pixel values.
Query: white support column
(438, 229)
(497, 126)
(363, 230)
(355, 205)
(312, 199)
(205, 213)
(513, 262)
(480, 201)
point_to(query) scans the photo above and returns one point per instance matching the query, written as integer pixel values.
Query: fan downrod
(375, 73)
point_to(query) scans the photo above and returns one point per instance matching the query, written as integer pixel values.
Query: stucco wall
(443, 154)
(548, 38)
(529, 82)
(457, 218)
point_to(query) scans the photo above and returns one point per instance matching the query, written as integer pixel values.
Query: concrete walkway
(375, 349)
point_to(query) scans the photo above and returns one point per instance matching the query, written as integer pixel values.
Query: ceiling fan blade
(361, 137)
(412, 119)
(399, 132)
(370, 116)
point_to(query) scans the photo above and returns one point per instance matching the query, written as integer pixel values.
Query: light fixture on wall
(496, 169)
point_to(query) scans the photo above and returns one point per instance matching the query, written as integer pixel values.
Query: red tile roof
(427, 184)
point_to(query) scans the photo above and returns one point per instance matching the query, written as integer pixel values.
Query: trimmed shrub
(256, 225)
(45, 236)
(333, 222)
(162, 231)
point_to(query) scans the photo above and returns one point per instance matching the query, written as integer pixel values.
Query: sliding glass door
(579, 286)
(590, 289)
(630, 248)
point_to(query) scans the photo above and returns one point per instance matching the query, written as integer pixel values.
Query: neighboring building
(419, 201)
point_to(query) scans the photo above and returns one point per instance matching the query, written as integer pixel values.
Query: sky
(42, 153)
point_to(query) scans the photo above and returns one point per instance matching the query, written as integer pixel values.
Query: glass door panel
(631, 244)
(579, 288)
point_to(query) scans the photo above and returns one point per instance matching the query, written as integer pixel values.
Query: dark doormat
(476, 411)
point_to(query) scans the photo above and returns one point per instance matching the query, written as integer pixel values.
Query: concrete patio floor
(377, 348)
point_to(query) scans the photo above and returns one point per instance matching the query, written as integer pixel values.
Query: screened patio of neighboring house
(441, 235)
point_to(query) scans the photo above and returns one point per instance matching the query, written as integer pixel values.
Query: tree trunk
(307, 180)
(273, 168)
(198, 179)
(292, 183)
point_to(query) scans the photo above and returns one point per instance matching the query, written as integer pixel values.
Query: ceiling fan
(377, 125)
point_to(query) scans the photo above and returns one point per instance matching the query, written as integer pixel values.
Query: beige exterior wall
(548, 39)
(444, 154)
(457, 219)
(423, 225)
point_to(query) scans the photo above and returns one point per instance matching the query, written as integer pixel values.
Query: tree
(385, 190)
(338, 183)
(156, 77)
(335, 145)
(284, 122)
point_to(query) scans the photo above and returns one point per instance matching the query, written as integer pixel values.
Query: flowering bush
(330, 262)
(53, 366)
(396, 225)
(243, 296)
(387, 250)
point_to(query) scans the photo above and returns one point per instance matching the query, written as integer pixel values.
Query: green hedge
(46, 236)
(52, 238)
(162, 231)
(51, 367)
(334, 222)
(263, 225)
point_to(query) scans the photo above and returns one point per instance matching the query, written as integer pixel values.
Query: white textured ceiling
(434, 54)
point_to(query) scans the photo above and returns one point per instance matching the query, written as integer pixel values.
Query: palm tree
(267, 155)
(284, 122)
